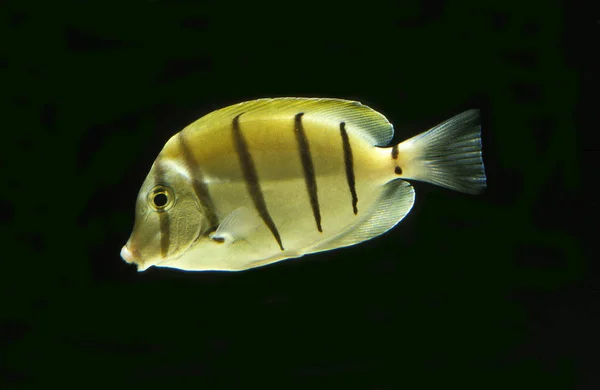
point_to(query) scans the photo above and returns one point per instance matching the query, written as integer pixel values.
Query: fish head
(168, 218)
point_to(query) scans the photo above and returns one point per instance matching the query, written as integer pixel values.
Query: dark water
(481, 292)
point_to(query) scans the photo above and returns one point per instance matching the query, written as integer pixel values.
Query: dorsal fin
(361, 121)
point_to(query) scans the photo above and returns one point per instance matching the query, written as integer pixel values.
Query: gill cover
(168, 218)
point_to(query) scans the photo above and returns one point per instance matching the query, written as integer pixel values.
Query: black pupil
(160, 200)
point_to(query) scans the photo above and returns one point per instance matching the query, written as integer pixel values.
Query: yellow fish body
(272, 179)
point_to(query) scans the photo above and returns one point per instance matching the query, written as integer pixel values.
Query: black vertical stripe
(395, 152)
(349, 162)
(165, 234)
(309, 169)
(249, 171)
(163, 217)
(198, 184)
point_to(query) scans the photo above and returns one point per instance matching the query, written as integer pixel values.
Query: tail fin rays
(448, 155)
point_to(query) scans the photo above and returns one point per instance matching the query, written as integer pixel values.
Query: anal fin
(392, 205)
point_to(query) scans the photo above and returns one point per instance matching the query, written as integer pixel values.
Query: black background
(481, 292)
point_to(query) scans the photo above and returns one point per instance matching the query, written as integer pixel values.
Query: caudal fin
(448, 155)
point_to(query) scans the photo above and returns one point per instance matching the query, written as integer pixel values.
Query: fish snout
(127, 255)
(134, 257)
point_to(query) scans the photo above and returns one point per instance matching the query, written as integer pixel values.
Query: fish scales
(281, 176)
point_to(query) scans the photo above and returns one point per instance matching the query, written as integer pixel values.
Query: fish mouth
(127, 255)
(131, 257)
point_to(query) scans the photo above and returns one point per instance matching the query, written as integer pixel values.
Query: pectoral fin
(236, 225)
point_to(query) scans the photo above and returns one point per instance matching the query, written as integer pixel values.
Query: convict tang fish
(272, 179)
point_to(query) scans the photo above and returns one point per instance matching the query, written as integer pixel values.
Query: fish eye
(161, 198)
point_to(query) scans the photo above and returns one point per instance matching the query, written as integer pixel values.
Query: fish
(272, 179)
